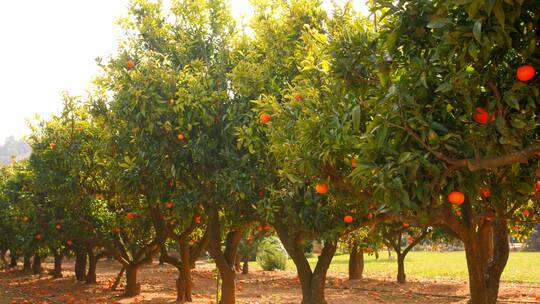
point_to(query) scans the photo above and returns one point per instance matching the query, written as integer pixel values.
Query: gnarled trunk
(132, 287)
(225, 260)
(313, 282)
(487, 253)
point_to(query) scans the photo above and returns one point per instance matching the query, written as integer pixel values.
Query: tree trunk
(225, 260)
(132, 287)
(36, 264)
(356, 263)
(13, 259)
(237, 263)
(3, 253)
(80, 264)
(245, 266)
(91, 277)
(401, 278)
(57, 272)
(312, 282)
(118, 279)
(27, 265)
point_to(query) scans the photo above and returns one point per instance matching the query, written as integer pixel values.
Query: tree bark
(132, 287)
(312, 282)
(36, 265)
(118, 279)
(237, 263)
(91, 277)
(401, 277)
(57, 272)
(225, 260)
(356, 263)
(27, 265)
(245, 266)
(80, 264)
(13, 259)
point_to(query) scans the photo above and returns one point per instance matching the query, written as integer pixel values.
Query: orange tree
(170, 119)
(295, 132)
(454, 113)
(68, 170)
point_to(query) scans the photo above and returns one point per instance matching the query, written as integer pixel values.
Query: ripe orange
(485, 192)
(406, 225)
(38, 237)
(260, 227)
(458, 212)
(52, 146)
(169, 205)
(298, 97)
(481, 116)
(131, 215)
(321, 188)
(267, 227)
(130, 64)
(370, 216)
(181, 136)
(69, 242)
(410, 239)
(537, 186)
(369, 250)
(525, 73)
(456, 197)
(526, 212)
(354, 163)
(198, 219)
(58, 226)
(348, 219)
(265, 118)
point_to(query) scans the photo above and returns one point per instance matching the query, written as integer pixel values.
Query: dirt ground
(259, 287)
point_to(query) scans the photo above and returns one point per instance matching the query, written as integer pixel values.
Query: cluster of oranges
(524, 73)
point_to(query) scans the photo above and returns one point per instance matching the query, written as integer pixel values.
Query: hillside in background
(13, 147)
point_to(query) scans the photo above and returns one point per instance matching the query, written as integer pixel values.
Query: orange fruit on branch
(298, 97)
(130, 64)
(131, 215)
(198, 219)
(181, 136)
(52, 146)
(537, 186)
(321, 188)
(169, 205)
(485, 192)
(456, 197)
(481, 115)
(265, 118)
(58, 226)
(405, 225)
(348, 219)
(525, 73)
(354, 163)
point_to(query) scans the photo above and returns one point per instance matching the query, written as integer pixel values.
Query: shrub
(271, 255)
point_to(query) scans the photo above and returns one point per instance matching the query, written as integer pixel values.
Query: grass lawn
(521, 267)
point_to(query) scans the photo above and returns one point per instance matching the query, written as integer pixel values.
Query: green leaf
(474, 7)
(445, 87)
(489, 6)
(499, 13)
(356, 117)
(391, 40)
(477, 31)
(512, 100)
(438, 23)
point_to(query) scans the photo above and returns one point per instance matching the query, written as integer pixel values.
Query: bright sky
(49, 47)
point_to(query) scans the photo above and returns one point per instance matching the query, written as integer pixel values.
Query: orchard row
(423, 117)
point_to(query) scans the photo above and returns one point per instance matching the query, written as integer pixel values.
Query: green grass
(521, 267)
